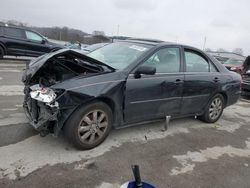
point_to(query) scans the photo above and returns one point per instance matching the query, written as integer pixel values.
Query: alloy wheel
(92, 126)
(215, 108)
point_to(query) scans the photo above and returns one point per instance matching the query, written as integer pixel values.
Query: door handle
(216, 79)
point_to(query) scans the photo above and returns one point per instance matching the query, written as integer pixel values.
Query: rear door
(35, 44)
(14, 41)
(154, 96)
(202, 81)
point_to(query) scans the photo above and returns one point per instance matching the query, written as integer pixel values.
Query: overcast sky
(224, 23)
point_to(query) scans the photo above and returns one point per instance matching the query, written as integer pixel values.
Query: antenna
(204, 44)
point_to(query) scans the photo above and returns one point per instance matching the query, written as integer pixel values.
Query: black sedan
(20, 41)
(121, 84)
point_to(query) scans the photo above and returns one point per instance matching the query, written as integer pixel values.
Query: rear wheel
(89, 125)
(214, 109)
(1, 53)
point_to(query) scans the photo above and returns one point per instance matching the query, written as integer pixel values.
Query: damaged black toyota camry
(121, 84)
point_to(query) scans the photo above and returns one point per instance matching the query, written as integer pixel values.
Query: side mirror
(43, 41)
(144, 70)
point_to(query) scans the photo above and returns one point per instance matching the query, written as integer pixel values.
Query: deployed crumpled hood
(37, 63)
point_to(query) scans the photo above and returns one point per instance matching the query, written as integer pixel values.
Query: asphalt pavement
(189, 154)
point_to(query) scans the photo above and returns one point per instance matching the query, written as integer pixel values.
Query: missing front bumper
(41, 116)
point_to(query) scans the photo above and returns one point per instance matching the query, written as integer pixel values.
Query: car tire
(1, 53)
(89, 126)
(214, 109)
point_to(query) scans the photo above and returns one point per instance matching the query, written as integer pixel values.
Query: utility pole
(60, 35)
(118, 28)
(204, 44)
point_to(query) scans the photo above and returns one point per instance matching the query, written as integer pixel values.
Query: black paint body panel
(150, 97)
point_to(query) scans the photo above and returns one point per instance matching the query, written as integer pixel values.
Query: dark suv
(24, 42)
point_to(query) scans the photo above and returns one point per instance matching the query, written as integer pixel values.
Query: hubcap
(215, 108)
(92, 126)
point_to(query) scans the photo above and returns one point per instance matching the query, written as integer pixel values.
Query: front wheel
(89, 125)
(214, 109)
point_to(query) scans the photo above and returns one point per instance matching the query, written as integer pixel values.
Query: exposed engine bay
(41, 99)
(61, 68)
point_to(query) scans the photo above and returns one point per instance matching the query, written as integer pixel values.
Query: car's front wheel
(214, 109)
(89, 125)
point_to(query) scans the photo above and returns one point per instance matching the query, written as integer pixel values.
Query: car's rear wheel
(214, 109)
(89, 125)
(1, 53)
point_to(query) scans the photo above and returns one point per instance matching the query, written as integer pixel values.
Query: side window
(166, 60)
(33, 36)
(195, 62)
(14, 32)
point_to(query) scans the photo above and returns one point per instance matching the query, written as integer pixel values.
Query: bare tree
(64, 33)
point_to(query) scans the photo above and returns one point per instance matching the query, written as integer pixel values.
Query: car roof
(146, 41)
(18, 27)
(156, 42)
(12, 26)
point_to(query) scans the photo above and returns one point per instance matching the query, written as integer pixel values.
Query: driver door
(154, 96)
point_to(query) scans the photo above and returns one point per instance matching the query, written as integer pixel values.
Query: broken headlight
(43, 94)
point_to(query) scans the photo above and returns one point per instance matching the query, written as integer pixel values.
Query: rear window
(14, 32)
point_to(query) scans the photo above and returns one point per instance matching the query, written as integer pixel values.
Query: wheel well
(225, 98)
(2, 46)
(108, 101)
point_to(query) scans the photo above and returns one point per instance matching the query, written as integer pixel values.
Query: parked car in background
(20, 41)
(121, 84)
(224, 56)
(222, 60)
(245, 86)
(235, 65)
(76, 45)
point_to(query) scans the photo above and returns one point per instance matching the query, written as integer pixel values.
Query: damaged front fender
(58, 83)
(48, 110)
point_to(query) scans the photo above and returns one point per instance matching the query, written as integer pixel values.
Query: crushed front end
(48, 102)
(41, 108)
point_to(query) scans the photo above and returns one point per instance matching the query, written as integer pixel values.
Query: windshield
(119, 55)
(95, 46)
(234, 62)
